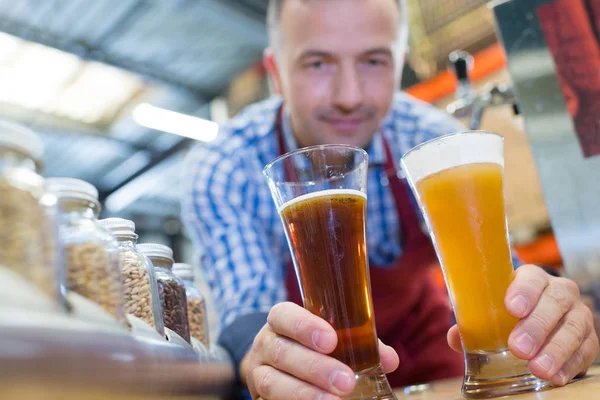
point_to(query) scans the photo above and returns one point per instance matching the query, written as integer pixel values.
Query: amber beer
(328, 240)
(466, 214)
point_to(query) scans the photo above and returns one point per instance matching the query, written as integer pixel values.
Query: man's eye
(317, 64)
(375, 62)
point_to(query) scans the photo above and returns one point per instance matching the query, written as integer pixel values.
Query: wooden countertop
(586, 388)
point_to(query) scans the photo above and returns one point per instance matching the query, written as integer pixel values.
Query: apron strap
(289, 171)
(279, 131)
(410, 224)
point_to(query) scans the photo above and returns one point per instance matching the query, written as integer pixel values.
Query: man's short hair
(274, 15)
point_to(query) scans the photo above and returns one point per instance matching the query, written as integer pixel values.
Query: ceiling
(195, 44)
(73, 70)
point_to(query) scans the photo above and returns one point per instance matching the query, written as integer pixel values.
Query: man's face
(335, 68)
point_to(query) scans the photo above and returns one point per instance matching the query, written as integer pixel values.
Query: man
(336, 65)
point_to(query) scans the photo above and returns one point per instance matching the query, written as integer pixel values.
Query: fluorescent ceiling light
(9, 47)
(34, 77)
(176, 123)
(96, 94)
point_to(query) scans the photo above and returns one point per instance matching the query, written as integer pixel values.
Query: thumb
(454, 339)
(389, 358)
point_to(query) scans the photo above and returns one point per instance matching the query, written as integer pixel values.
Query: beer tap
(468, 103)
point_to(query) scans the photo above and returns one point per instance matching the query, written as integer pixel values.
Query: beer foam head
(451, 151)
(321, 193)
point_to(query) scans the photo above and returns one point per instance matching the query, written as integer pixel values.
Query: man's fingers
(525, 290)
(290, 320)
(579, 362)
(453, 338)
(389, 358)
(307, 365)
(574, 328)
(532, 332)
(272, 384)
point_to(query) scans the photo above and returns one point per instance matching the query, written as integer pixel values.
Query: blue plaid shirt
(230, 215)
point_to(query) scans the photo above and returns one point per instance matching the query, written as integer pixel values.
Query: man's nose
(348, 92)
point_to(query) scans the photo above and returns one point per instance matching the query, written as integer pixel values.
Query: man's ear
(270, 63)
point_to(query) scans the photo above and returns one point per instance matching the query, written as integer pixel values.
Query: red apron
(412, 314)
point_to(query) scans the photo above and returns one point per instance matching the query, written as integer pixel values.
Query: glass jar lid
(183, 271)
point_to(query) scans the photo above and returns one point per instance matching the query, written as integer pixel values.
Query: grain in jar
(196, 303)
(90, 252)
(27, 224)
(137, 274)
(171, 289)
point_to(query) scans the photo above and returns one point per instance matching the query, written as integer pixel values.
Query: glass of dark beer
(320, 193)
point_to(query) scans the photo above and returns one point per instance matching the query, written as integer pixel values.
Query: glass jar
(137, 274)
(27, 229)
(196, 303)
(91, 254)
(171, 289)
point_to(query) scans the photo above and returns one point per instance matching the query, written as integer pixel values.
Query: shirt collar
(375, 149)
(291, 143)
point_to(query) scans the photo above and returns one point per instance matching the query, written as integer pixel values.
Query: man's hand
(288, 359)
(556, 329)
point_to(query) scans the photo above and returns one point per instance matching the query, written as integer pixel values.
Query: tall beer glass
(457, 180)
(320, 195)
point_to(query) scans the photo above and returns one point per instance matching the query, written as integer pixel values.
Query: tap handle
(516, 108)
(461, 63)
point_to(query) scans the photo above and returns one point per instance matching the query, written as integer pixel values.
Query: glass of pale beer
(457, 180)
(320, 193)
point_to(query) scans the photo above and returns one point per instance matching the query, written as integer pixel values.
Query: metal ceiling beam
(240, 19)
(124, 21)
(249, 9)
(156, 159)
(133, 147)
(39, 121)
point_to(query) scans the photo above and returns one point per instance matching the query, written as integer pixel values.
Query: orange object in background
(544, 251)
(465, 207)
(444, 84)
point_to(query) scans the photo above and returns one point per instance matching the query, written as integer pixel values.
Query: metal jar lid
(72, 188)
(119, 227)
(22, 139)
(156, 250)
